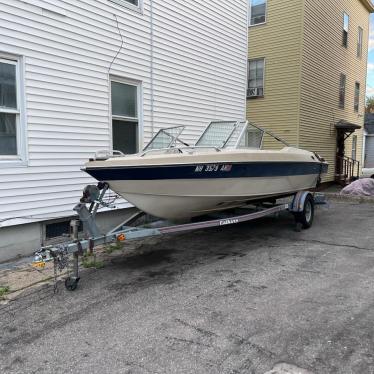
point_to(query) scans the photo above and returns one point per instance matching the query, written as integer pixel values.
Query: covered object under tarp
(361, 187)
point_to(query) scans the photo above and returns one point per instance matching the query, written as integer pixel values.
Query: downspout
(247, 51)
(364, 138)
(152, 66)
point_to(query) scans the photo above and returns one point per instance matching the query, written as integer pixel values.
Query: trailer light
(38, 264)
(121, 237)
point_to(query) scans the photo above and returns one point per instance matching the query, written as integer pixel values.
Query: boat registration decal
(212, 168)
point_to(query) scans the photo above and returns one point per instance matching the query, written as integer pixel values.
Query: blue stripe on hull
(208, 171)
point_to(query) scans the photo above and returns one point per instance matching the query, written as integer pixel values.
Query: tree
(369, 107)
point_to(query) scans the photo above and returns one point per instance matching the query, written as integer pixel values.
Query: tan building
(307, 75)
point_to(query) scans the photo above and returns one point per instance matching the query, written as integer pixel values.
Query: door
(340, 150)
(369, 152)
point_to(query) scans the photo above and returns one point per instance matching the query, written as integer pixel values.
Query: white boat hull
(180, 199)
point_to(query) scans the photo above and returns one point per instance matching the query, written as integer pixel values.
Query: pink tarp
(361, 187)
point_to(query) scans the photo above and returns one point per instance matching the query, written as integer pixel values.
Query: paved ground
(241, 299)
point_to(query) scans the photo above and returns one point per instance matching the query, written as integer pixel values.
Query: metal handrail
(104, 154)
(349, 167)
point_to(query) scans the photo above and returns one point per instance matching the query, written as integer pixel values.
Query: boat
(225, 168)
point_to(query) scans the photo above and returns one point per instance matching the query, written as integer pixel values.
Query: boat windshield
(165, 138)
(231, 135)
(252, 137)
(218, 135)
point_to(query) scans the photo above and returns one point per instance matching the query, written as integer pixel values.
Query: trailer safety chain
(55, 276)
(60, 262)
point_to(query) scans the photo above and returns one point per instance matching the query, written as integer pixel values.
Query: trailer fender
(298, 202)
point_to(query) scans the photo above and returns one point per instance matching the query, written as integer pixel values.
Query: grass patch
(113, 247)
(3, 291)
(90, 261)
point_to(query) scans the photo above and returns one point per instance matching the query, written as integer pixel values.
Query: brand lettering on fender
(228, 222)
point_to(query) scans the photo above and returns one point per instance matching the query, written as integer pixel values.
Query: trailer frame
(301, 206)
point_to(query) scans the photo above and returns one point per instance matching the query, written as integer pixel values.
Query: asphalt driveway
(237, 299)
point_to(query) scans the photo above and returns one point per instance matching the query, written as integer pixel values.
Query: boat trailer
(141, 225)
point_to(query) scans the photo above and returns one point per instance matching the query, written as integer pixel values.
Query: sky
(370, 80)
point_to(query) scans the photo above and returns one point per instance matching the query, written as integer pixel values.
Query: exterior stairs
(348, 170)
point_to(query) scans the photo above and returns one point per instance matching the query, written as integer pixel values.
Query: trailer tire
(71, 284)
(306, 217)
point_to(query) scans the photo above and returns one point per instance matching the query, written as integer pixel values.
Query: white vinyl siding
(191, 69)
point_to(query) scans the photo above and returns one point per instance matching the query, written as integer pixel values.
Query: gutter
(368, 5)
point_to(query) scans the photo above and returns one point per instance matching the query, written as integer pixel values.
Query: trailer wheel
(305, 218)
(71, 284)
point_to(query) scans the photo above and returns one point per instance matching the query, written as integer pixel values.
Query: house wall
(189, 57)
(324, 59)
(279, 42)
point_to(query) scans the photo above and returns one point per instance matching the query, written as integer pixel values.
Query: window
(343, 80)
(359, 41)
(345, 29)
(132, 4)
(357, 97)
(11, 140)
(354, 147)
(256, 78)
(257, 12)
(125, 118)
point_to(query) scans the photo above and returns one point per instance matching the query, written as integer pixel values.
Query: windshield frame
(173, 141)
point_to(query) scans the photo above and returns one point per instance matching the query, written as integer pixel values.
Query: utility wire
(122, 43)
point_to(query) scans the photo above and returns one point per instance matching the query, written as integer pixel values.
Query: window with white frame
(257, 12)
(345, 29)
(357, 97)
(360, 39)
(343, 81)
(10, 110)
(354, 147)
(135, 4)
(256, 69)
(125, 116)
